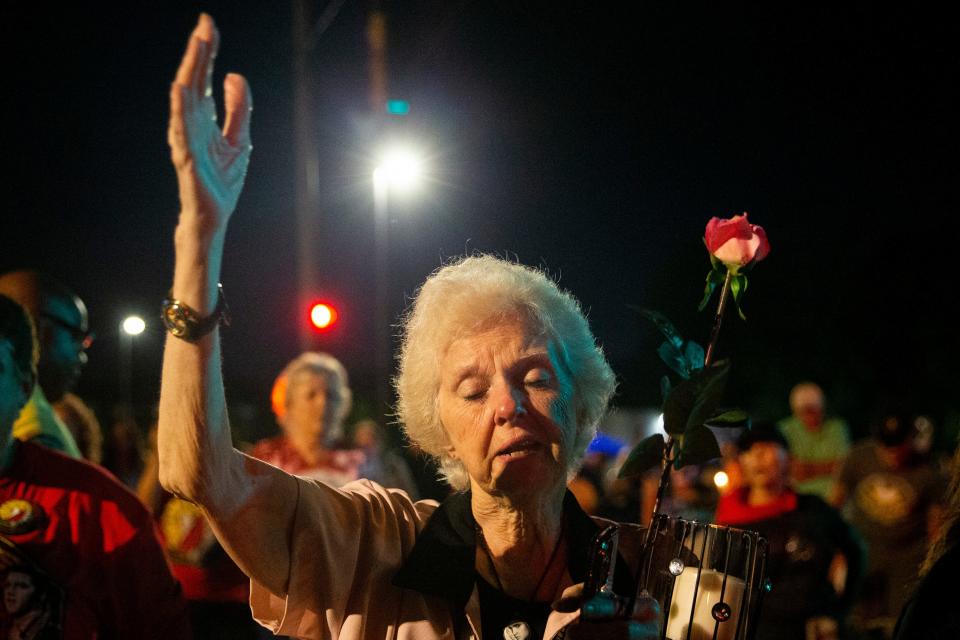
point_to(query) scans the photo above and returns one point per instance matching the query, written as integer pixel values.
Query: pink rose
(735, 242)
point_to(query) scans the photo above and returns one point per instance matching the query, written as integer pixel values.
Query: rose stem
(718, 320)
(670, 442)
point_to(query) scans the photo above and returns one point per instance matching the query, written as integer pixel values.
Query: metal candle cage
(709, 579)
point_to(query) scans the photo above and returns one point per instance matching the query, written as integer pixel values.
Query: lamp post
(130, 327)
(399, 171)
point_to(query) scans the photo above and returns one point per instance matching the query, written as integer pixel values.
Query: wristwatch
(185, 323)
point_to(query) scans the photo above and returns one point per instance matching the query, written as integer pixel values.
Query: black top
(442, 560)
(498, 611)
(801, 546)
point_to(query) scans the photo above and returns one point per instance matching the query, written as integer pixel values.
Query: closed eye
(538, 378)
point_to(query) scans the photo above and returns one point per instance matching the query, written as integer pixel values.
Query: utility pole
(306, 165)
(377, 96)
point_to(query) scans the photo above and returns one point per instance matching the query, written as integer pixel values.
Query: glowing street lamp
(133, 325)
(399, 169)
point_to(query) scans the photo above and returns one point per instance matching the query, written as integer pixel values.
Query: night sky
(593, 140)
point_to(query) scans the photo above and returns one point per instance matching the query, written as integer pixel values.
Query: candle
(708, 596)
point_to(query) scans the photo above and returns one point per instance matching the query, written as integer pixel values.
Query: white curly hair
(467, 295)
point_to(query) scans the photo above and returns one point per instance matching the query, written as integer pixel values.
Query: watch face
(176, 318)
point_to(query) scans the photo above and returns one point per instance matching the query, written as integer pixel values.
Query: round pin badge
(19, 516)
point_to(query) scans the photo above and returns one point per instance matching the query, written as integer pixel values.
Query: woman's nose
(510, 404)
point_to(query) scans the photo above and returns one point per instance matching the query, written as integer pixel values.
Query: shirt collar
(443, 556)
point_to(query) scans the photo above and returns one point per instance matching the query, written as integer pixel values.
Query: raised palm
(211, 163)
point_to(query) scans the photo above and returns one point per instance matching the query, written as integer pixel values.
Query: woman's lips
(518, 446)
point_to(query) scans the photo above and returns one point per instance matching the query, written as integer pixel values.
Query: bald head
(62, 327)
(806, 403)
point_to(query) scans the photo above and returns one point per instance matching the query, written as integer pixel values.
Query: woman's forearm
(194, 443)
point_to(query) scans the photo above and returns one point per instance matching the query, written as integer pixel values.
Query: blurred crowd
(206, 594)
(849, 523)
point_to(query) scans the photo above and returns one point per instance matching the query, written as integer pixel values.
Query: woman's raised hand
(211, 164)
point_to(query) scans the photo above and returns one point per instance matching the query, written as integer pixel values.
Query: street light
(133, 325)
(399, 170)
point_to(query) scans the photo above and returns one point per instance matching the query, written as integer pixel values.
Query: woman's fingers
(187, 68)
(176, 133)
(238, 103)
(206, 33)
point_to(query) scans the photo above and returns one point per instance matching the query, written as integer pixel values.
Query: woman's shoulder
(376, 502)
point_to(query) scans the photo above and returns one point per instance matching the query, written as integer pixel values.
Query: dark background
(593, 140)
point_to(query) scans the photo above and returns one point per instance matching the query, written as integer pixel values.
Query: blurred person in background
(311, 399)
(123, 447)
(60, 317)
(95, 545)
(382, 463)
(83, 425)
(805, 537)
(893, 497)
(691, 494)
(591, 481)
(818, 444)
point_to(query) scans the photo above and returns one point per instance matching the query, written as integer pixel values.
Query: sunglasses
(81, 337)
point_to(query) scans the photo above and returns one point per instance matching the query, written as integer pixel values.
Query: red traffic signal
(322, 316)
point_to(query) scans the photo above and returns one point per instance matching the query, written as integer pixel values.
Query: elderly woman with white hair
(310, 399)
(500, 379)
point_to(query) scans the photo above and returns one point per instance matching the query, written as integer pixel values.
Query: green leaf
(708, 290)
(674, 359)
(692, 401)
(729, 418)
(647, 454)
(699, 446)
(665, 326)
(694, 355)
(715, 277)
(738, 286)
(664, 388)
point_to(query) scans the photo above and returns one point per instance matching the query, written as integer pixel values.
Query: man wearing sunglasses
(62, 332)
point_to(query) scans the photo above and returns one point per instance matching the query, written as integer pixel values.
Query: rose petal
(764, 249)
(737, 251)
(719, 231)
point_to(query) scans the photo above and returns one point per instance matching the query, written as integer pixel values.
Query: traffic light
(322, 316)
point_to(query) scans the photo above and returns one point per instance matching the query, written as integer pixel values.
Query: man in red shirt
(79, 554)
(804, 536)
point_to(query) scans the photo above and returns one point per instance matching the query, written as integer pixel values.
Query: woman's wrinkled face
(307, 405)
(506, 405)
